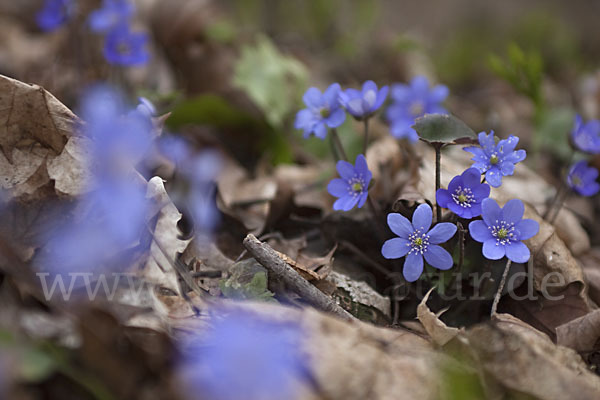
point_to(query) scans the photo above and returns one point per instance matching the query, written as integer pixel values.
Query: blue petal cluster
(362, 104)
(352, 187)
(412, 101)
(322, 111)
(582, 179)
(496, 160)
(111, 14)
(416, 241)
(124, 47)
(54, 13)
(586, 136)
(464, 194)
(244, 357)
(502, 230)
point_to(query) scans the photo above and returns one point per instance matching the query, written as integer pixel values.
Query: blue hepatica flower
(502, 230)
(54, 13)
(363, 103)
(112, 13)
(322, 111)
(244, 357)
(146, 107)
(413, 101)
(586, 136)
(464, 194)
(352, 187)
(496, 160)
(582, 179)
(124, 47)
(416, 241)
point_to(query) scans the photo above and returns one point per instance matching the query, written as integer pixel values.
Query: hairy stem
(438, 162)
(366, 142)
(338, 143)
(500, 288)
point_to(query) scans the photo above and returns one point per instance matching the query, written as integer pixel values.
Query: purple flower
(502, 230)
(464, 194)
(322, 111)
(496, 160)
(124, 47)
(416, 241)
(146, 107)
(586, 136)
(54, 13)
(413, 101)
(363, 103)
(112, 13)
(353, 186)
(244, 357)
(582, 179)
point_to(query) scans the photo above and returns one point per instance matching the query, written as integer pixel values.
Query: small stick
(268, 258)
(500, 288)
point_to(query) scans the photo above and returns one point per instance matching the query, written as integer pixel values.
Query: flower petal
(443, 198)
(395, 248)
(413, 267)
(494, 177)
(512, 212)
(479, 231)
(320, 131)
(492, 250)
(471, 177)
(360, 164)
(422, 218)
(481, 191)
(400, 225)
(345, 169)
(456, 182)
(338, 187)
(491, 211)
(439, 258)
(381, 96)
(517, 252)
(527, 228)
(438, 93)
(362, 199)
(345, 203)
(336, 118)
(312, 98)
(487, 141)
(441, 233)
(331, 96)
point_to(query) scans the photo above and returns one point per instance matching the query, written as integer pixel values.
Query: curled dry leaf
(436, 328)
(580, 334)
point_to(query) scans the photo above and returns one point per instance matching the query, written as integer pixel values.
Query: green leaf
(444, 129)
(248, 281)
(36, 365)
(272, 80)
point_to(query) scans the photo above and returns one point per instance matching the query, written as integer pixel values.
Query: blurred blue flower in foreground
(244, 358)
(124, 47)
(322, 111)
(464, 194)
(502, 230)
(413, 101)
(54, 13)
(112, 13)
(582, 179)
(353, 186)
(586, 136)
(363, 103)
(416, 241)
(496, 160)
(145, 107)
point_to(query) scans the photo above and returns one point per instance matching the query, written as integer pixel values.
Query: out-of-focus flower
(54, 13)
(322, 111)
(582, 179)
(464, 194)
(363, 103)
(112, 13)
(496, 160)
(416, 241)
(146, 107)
(124, 47)
(413, 101)
(353, 186)
(585, 136)
(244, 357)
(502, 230)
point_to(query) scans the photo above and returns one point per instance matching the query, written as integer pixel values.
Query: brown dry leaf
(590, 262)
(437, 329)
(302, 180)
(580, 334)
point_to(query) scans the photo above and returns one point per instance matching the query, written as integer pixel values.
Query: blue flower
(323, 110)
(54, 13)
(582, 179)
(496, 160)
(413, 101)
(502, 230)
(586, 136)
(353, 186)
(124, 47)
(363, 103)
(416, 241)
(464, 194)
(112, 13)
(244, 357)
(146, 107)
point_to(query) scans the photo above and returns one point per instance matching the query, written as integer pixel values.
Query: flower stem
(366, 142)
(500, 288)
(338, 143)
(438, 163)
